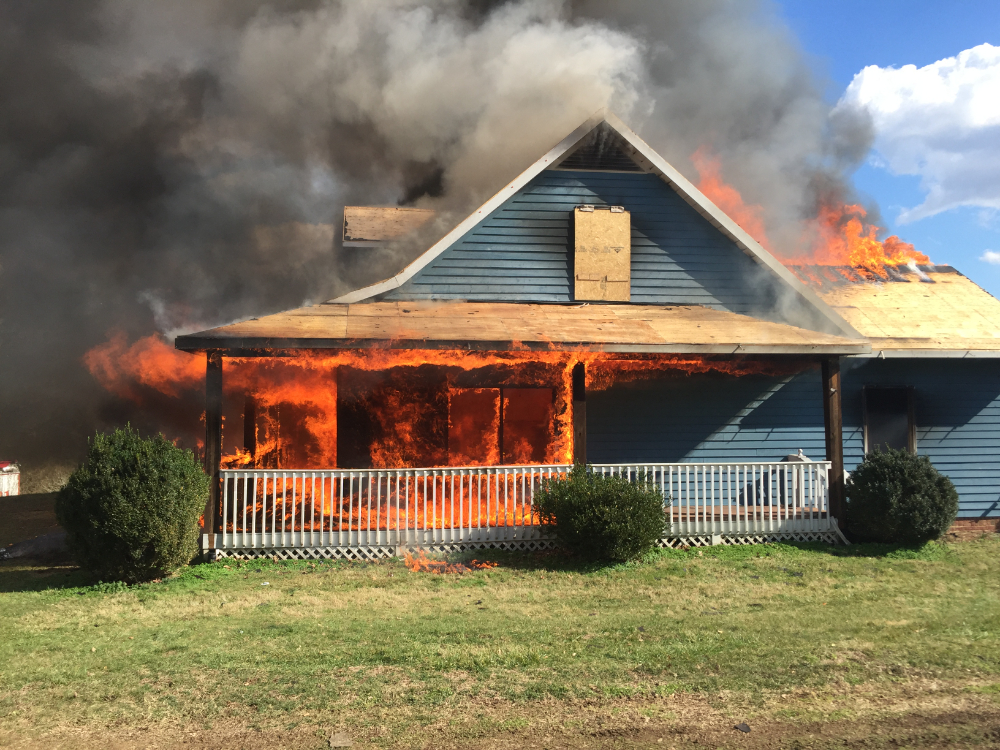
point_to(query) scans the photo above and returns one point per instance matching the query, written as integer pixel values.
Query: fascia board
(932, 354)
(717, 217)
(237, 346)
(474, 219)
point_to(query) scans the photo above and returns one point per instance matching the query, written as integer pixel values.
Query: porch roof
(517, 326)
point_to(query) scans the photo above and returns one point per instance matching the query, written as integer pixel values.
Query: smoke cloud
(170, 166)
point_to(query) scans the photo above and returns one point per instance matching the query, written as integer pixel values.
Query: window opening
(888, 418)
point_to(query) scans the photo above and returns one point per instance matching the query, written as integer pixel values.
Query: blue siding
(521, 252)
(716, 418)
(957, 411)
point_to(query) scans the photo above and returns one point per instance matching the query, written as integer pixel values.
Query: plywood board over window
(366, 226)
(603, 258)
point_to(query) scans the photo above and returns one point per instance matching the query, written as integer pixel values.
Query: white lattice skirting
(383, 551)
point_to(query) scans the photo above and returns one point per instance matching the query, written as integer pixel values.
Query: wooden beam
(250, 428)
(833, 422)
(213, 439)
(580, 413)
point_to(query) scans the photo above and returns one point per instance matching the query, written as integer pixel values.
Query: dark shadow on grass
(32, 575)
(554, 560)
(559, 560)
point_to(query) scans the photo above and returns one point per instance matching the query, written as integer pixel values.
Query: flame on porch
(395, 408)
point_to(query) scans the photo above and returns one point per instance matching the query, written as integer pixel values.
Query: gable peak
(603, 149)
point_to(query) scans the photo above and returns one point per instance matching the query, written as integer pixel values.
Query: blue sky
(842, 38)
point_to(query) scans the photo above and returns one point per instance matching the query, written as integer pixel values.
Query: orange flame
(149, 362)
(838, 236)
(420, 563)
(726, 197)
(844, 239)
(297, 399)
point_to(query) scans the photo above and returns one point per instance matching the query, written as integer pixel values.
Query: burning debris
(420, 563)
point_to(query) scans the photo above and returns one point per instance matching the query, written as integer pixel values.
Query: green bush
(131, 510)
(603, 517)
(899, 498)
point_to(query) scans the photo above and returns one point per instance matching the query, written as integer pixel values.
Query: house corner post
(580, 413)
(213, 443)
(833, 422)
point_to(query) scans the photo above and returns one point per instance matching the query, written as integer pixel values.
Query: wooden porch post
(580, 413)
(833, 421)
(213, 439)
(250, 428)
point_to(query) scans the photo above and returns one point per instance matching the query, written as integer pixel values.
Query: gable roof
(575, 145)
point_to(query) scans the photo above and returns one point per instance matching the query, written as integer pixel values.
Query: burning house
(599, 309)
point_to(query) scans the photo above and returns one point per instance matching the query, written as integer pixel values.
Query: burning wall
(394, 408)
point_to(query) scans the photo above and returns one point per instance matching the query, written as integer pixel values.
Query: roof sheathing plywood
(510, 326)
(950, 314)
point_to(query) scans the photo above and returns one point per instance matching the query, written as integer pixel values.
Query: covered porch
(359, 504)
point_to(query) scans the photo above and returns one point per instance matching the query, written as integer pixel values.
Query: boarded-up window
(603, 258)
(366, 226)
(889, 418)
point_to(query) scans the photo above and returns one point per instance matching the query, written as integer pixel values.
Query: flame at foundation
(416, 408)
(420, 563)
(839, 235)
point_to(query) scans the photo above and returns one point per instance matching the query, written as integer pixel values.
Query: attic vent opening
(601, 151)
(602, 267)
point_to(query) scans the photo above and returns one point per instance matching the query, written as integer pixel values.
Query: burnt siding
(521, 252)
(714, 418)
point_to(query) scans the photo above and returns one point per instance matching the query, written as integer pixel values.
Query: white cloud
(990, 256)
(941, 123)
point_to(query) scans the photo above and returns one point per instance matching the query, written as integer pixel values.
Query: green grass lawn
(810, 644)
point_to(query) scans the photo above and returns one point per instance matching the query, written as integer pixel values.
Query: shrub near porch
(775, 635)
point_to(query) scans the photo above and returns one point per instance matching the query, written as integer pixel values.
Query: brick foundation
(972, 528)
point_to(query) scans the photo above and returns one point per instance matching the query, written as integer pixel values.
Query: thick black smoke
(170, 166)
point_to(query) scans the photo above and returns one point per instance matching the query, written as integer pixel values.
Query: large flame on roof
(839, 235)
(297, 398)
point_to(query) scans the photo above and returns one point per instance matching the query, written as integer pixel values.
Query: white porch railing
(374, 512)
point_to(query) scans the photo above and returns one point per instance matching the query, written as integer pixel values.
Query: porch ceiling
(511, 326)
